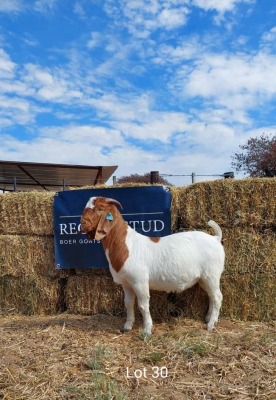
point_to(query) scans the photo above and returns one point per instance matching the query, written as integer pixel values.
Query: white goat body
(172, 263)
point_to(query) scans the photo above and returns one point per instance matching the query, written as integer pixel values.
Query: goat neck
(114, 244)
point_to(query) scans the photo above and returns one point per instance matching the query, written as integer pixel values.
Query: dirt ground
(69, 357)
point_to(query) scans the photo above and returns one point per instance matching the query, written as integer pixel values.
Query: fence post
(193, 177)
(114, 179)
(154, 177)
(228, 175)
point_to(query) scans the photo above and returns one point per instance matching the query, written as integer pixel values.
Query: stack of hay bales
(245, 210)
(29, 283)
(93, 292)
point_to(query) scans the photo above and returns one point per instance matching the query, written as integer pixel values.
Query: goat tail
(217, 229)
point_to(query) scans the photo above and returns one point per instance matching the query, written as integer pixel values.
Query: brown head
(99, 217)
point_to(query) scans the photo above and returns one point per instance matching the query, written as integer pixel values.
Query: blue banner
(146, 209)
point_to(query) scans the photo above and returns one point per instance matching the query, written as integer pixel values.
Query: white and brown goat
(139, 263)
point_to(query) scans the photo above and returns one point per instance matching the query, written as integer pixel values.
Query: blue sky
(168, 85)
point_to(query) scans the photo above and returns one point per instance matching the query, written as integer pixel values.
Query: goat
(139, 263)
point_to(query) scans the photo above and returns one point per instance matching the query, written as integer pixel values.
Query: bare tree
(258, 156)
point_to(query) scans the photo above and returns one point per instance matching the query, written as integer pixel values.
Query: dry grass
(24, 255)
(80, 358)
(245, 296)
(27, 213)
(92, 294)
(249, 297)
(29, 295)
(249, 250)
(246, 202)
(175, 206)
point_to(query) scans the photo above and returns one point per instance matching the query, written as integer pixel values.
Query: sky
(174, 86)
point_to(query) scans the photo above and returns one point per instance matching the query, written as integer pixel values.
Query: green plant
(191, 349)
(102, 387)
(154, 357)
(98, 356)
(106, 388)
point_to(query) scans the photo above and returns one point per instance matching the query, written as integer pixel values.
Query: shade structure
(27, 176)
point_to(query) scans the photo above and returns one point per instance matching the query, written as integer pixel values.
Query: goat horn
(115, 202)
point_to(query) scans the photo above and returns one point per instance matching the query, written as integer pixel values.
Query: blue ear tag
(109, 217)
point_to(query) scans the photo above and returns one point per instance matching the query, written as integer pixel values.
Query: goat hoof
(146, 335)
(125, 330)
(210, 326)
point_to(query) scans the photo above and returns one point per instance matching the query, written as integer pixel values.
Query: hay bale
(245, 297)
(229, 202)
(175, 206)
(98, 294)
(93, 294)
(249, 250)
(92, 272)
(192, 303)
(28, 295)
(28, 256)
(249, 297)
(27, 213)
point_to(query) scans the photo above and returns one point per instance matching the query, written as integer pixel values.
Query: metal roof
(26, 176)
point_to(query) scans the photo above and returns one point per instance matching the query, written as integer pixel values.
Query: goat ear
(106, 223)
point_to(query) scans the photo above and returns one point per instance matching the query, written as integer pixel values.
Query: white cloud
(159, 126)
(30, 41)
(11, 6)
(270, 35)
(268, 40)
(79, 10)
(15, 103)
(172, 18)
(96, 40)
(203, 148)
(210, 138)
(75, 144)
(188, 49)
(44, 6)
(18, 6)
(50, 86)
(113, 108)
(7, 67)
(15, 110)
(127, 121)
(86, 135)
(221, 6)
(142, 17)
(235, 81)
